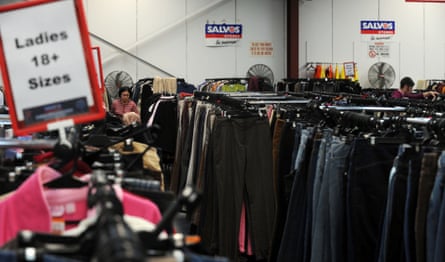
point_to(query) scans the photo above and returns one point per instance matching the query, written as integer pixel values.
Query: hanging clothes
(239, 168)
(53, 210)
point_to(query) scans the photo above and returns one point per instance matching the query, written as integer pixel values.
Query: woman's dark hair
(123, 89)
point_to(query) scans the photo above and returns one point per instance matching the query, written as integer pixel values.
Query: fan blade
(385, 67)
(388, 82)
(374, 68)
(381, 82)
(389, 72)
(118, 82)
(381, 68)
(373, 73)
(373, 81)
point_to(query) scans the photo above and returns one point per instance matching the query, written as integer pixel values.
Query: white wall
(330, 32)
(170, 35)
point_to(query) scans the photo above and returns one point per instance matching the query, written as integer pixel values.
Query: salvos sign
(218, 35)
(377, 27)
(223, 30)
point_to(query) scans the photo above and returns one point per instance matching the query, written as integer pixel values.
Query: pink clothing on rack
(33, 207)
(243, 236)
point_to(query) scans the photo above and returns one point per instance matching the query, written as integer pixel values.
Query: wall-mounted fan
(264, 75)
(115, 80)
(381, 75)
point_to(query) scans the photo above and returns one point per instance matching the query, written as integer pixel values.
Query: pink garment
(32, 207)
(243, 235)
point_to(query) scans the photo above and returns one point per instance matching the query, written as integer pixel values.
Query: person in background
(125, 108)
(439, 87)
(406, 90)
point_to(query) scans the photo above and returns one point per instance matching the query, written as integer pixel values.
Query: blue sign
(223, 30)
(377, 27)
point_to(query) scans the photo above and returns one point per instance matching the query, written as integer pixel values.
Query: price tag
(47, 65)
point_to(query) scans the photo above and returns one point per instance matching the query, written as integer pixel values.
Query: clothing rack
(228, 79)
(320, 85)
(370, 122)
(109, 237)
(152, 78)
(27, 144)
(278, 101)
(233, 84)
(368, 108)
(293, 80)
(434, 106)
(312, 94)
(247, 94)
(219, 99)
(243, 100)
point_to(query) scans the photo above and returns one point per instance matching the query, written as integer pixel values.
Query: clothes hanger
(66, 152)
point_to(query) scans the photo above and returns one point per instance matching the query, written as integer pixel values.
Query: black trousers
(239, 168)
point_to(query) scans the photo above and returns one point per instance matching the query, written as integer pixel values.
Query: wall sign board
(47, 65)
(223, 34)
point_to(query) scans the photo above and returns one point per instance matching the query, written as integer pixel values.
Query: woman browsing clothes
(125, 108)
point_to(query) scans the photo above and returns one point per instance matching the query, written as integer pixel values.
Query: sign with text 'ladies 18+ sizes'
(47, 65)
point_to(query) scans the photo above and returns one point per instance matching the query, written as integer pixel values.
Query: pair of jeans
(366, 191)
(292, 242)
(412, 191)
(434, 212)
(310, 190)
(391, 246)
(319, 171)
(439, 252)
(328, 240)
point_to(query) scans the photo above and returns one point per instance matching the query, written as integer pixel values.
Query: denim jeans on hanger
(426, 183)
(319, 205)
(328, 242)
(434, 210)
(336, 170)
(310, 190)
(324, 144)
(302, 155)
(292, 242)
(391, 241)
(366, 191)
(439, 252)
(412, 189)
(298, 128)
